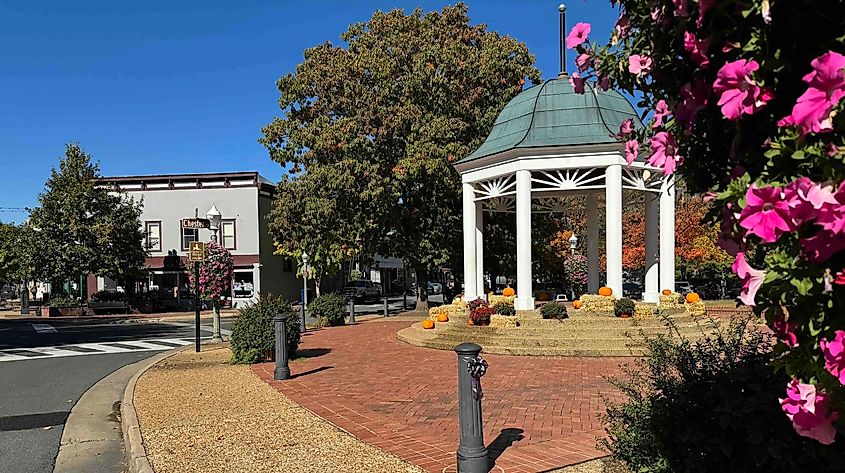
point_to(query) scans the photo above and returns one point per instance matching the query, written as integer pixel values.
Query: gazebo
(550, 142)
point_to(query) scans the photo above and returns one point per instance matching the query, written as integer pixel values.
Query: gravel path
(200, 414)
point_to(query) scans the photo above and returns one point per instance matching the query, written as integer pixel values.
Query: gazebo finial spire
(561, 42)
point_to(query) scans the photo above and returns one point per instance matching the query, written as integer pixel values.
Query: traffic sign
(196, 223)
(196, 252)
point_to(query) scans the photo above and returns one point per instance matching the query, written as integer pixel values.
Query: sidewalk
(200, 414)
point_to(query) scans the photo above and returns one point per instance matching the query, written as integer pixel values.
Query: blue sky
(165, 87)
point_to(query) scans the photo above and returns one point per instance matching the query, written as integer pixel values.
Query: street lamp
(304, 288)
(213, 215)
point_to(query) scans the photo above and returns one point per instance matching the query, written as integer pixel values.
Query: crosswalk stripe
(98, 348)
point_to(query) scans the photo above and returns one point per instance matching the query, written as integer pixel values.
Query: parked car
(361, 290)
(632, 290)
(435, 288)
(561, 298)
(683, 287)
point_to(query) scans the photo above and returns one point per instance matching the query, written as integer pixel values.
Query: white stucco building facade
(243, 199)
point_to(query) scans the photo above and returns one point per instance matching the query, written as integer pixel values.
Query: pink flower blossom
(664, 152)
(632, 150)
(697, 49)
(807, 198)
(693, 98)
(681, 8)
(703, 7)
(831, 150)
(577, 35)
(623, 25)
(766, 213)
(826, 88)
(834, 355)
(821, 246)
(661, 111)
(751, 278)
(577, 82)
(809, 412)
(639, 64)
(840, 278)
(626, 127)
(583, 61)
(785, 331)
(739, 93)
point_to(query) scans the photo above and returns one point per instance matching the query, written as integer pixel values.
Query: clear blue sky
(185, 86)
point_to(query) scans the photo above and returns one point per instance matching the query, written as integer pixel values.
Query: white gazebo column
(667, 234)
(524, 291)
(652, 286)
(479, 249)
(593, 243)
(470, 274)
(613, 227)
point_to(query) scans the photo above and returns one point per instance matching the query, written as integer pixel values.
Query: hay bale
(644, 311)
(497, 320)
(593, 303)
(696, 309)
(493, 299)
(672, 301)
(449, 309)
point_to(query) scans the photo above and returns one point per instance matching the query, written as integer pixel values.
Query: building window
(227, 234)
(189, 235)
(152, 236)
(243, 287)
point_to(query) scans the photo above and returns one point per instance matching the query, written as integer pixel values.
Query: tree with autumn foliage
(370, 130)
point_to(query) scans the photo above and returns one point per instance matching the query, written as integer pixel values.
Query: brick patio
(541, 411)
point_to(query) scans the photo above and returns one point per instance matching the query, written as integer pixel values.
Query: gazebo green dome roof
(553, 114)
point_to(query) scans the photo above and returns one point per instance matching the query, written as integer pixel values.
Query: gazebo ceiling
(553, 114)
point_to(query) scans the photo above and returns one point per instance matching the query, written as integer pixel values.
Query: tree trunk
(317, 279)
(422, 289)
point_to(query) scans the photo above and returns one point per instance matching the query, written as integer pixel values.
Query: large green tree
(370, 130)
(82, 227)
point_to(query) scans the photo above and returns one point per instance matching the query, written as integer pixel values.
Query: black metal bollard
(405, 300)
(351, 311)
(282, 369)
(386, 313)
(472, 454)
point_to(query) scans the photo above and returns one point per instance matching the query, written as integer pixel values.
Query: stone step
(620, 340)
(533, 351)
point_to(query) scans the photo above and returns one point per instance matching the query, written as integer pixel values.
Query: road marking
(99, 348)
(44, 328)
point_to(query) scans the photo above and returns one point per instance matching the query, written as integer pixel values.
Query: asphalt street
(36, 395)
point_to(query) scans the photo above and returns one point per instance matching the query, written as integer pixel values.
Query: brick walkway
(540, 410)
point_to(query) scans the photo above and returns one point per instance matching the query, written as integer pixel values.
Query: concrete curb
(133, 441)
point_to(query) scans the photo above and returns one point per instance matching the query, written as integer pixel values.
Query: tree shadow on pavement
(312, 352)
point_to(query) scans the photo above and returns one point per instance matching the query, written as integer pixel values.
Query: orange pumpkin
(667, 292)
(508, 291)
(442, 318)
(576, 304)
(428, 324)
(470, 322)
(693, 297)
(605, 291)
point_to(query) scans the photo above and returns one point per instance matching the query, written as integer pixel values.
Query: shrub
(108, 296)
(254, 333)
(63, 300)
(481, 314)
(724, 387)
(504, 308)
(624, 306)
(554, 310)
(329, 310)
